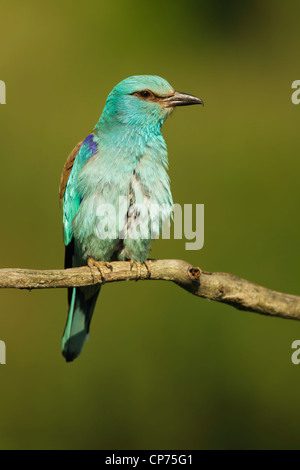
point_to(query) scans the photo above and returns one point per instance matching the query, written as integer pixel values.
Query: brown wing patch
(67, 170)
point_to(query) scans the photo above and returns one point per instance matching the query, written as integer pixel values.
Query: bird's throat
(130, 140)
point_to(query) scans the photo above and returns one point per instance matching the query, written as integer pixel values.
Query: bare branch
(221, 287)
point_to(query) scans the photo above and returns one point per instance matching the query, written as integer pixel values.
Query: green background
(163, 369)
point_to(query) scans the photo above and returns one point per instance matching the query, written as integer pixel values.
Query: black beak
(181, 99)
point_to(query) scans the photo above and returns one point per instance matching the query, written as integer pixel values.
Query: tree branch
(220, 287)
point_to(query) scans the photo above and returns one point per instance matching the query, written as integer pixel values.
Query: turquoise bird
(124, 159)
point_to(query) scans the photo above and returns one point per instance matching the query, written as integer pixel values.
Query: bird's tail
(82, 301)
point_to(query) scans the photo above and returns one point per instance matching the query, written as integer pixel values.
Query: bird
(125, 156)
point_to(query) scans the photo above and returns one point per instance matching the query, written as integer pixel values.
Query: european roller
(123, 159)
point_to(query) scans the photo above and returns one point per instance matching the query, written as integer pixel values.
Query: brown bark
(220, 287)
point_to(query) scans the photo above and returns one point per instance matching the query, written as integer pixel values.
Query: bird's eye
(144, 94)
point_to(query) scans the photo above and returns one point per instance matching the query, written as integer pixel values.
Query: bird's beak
(181, 99)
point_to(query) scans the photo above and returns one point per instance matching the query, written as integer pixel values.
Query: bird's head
(143, 101)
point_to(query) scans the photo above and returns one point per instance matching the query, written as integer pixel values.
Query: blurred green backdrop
(162, 369)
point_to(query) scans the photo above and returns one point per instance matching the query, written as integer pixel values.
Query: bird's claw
(92, 263)
(139, 268)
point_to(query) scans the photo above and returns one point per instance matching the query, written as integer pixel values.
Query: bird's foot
(92, 263)
(139, 268)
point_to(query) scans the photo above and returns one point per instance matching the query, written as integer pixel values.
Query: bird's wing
(67, 170)
(68, 192)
